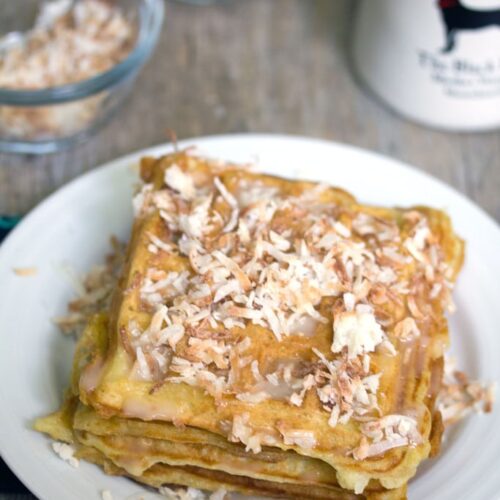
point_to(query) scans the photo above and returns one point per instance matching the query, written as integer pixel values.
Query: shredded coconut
(66, 45)
(182, 493)
(232, 202)
(252, 263)
(179, 181)
(407, 329)
(304, 439)
(253, 439)
(388, 432)
(460, 396)
(106, 495)
(66, 452)
(94, 291)
(359, 332)
(346, 389)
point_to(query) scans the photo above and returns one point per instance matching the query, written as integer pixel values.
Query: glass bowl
(49, 119)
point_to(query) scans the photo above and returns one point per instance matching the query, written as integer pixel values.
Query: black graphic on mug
(457, 18)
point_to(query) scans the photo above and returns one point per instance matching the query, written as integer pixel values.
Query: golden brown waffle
(260, 317)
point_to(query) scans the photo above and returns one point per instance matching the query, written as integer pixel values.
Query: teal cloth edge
(8, 222)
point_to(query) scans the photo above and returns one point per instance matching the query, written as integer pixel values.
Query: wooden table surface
(259, 66)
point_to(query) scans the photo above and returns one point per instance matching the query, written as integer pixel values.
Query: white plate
(73, 226)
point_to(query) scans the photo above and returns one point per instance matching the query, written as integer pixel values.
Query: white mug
(434, 61)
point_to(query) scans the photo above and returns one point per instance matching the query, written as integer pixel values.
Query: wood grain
(259, 66)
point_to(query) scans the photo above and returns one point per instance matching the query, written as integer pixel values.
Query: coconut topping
(177, 180)
(346, 388)
(359, 332)
(66, 452)
(285, 266)
(460, 396)
(407, 329)
(303, 439)
(252, 438)
(383, 434)
(94, 291)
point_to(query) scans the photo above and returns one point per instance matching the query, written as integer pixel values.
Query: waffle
(267, 336)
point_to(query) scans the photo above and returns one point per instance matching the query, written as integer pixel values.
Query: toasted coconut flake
(126, 342)
(234, 268)
(144, 370)
(297, 398)
(253, 397)
(359, 332)
(249, 194)
(349, 301)
(106, 495)
(25, 271)
(142, 199)
(417, 254)
(180, 181)
(435, 291)
(197, 222)
(365, 450)
(273, 379)
(386, 433)
(459, 396)
(413, 307)
(66, 452)
(159, 244)
(228, 197)
(391, 425)
(407, 329)
(342, 230)
(198, 374)
(396, 257)
(281, 243)
(171, 334)
(232, 202)
(209, 351)
(232, 286)
(305, 440)
(255, 370)
(94, 291)
(253, 439)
